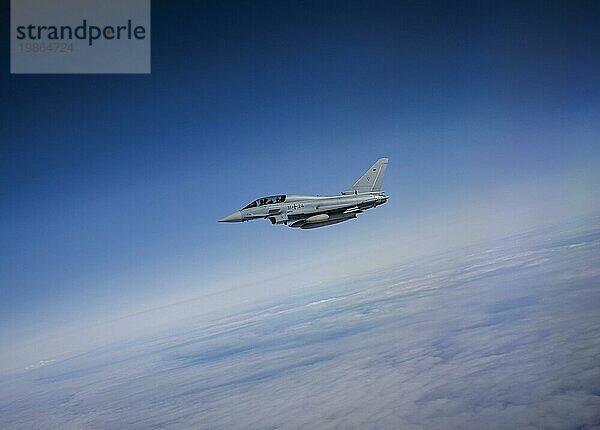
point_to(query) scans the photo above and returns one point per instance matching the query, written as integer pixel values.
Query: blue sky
(111, 185)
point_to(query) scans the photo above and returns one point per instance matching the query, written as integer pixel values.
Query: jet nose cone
(234, 217)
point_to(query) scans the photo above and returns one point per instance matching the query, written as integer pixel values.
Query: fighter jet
(308, 212)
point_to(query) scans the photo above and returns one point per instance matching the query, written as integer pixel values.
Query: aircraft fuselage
(309, 211)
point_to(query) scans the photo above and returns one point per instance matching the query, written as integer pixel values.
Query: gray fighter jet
(318, 211)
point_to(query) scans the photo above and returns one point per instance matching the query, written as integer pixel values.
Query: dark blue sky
(111, 185)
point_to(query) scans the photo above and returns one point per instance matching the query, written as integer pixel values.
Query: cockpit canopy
(266, 201)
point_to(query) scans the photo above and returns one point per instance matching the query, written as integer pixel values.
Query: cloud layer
(500, 336)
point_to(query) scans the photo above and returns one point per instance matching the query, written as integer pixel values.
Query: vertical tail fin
(370, 182)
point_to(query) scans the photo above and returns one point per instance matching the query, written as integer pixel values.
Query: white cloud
(503, 336)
